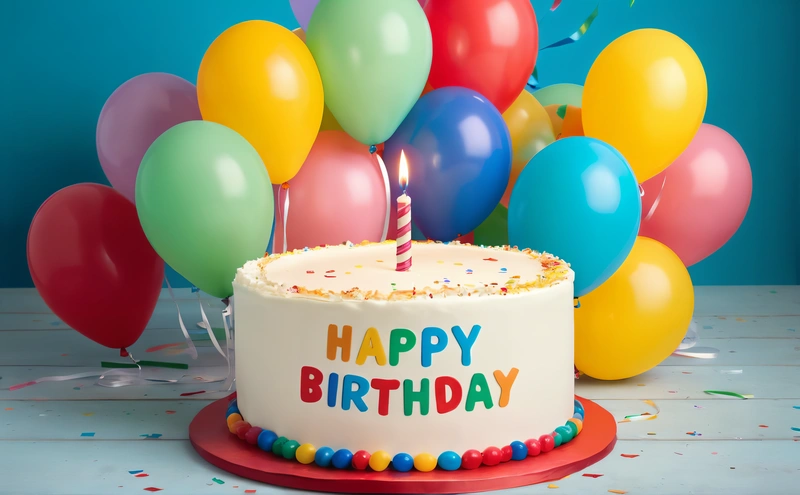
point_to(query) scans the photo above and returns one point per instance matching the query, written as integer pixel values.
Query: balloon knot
(123, 352)
(577, 303)
(373, 148)
(285, 185)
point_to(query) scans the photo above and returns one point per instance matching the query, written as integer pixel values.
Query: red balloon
(698, 202)
(93, 265)
(339, 195)
(489, 46)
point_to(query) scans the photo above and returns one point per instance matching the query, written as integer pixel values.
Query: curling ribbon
(555, 5)
(533, 80)
(388, 197)
(656, 201)
(191, 349)
(285, 213)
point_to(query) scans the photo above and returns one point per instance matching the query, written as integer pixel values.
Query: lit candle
(403, 220)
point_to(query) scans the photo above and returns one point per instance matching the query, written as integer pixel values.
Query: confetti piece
(794, 428)
(672, 391)
(629, 456)
(187, 394)
(169, 411)
(156, 348)
(731, 372)
(379, 261)
(651, 433)
(678, 453)
(640, 385)
(458, 264)
(152, 489)
(330, 276)
(791, 330)
(730, 394)
(249, 491)
(151, 435)
(646, 416)
(137, 471)
(503, 270)
(631, 5)
(359, 266)
(9, 409)
(141, 475)
(698, 407)
(694, 434)
(555, 5)
(64, 355)
(589, 475)
(88, 414)
(714, 453)
(87, 434)
(551, 485)
(489, 259)
(577, 35)
(347, 273)
(620, 492)
(773, 292)
(330, 271)
(697, 352)
(763, 426)
(796, 407)
(218, 481)
(309, 271)
(741, 320)
(561, 111)
(686, 372)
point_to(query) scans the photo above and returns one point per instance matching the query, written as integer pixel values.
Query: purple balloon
(302, 10)
(133, 117)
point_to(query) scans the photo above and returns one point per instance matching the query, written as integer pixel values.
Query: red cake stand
(212, 440)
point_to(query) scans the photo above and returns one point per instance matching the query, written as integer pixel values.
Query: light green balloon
(560, 94)
(374, 58)
(205, 203)
(494, 230)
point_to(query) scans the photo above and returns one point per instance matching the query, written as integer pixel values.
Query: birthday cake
(464, 360)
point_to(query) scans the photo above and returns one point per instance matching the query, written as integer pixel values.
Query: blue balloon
(459, 161)
(579, 200)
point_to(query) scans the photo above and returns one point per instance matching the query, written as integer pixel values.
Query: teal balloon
(374, 58)
(579, 200)
(494, 230)
(205, 203)
(560, 94)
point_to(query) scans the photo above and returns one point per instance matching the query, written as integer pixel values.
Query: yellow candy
(578, 423)
(425, 462)
(380, 460)
(232, 419)
(305, 453)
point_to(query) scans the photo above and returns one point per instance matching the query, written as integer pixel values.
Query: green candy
(573, 429)
(277, 446)
(557, 438)
(565, 432)
(289, 448)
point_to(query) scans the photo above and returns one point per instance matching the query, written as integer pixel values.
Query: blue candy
(578, 415)
(323, 456)
(233, 403)
(403, 462)
(342, 459)
(449, 461)
(265, 440)
(232, 409)
(519, 450)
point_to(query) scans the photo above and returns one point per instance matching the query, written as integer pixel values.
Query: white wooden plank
(748, 327)
(777, 300)
(744, 352)
(101, 467)
(28, 300)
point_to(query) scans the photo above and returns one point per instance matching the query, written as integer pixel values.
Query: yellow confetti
(741, 320)
(619, 492)
(552, 486)
(440, 262)
(458, 264)
(646, 416)
(347, 273)
(88, 414)
(359, 266)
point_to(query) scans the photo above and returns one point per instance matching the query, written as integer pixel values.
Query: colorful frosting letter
(400, 340)
(334, 341)
(444, 406)
(466, 342)
(428, 347)
(310, 381)
(356, 396)
(479, 392)
(384, 387)
(410, 396)
(371, 345)
(505, 383)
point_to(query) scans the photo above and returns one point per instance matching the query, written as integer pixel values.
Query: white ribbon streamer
(191, 349)
(386, 186)
(285, 217)
(658, 199)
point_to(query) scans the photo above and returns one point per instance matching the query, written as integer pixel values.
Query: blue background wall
(61, 60)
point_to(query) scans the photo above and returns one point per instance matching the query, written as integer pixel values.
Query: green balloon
(560, 94)
(494, 230)
(205, 203)
(374, 58)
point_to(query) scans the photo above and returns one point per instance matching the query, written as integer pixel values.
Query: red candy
(361, 459)
(547, 443)
(251, 436)
(492, 456)
(507, 452)
(534, 447)
(242, 429)
(471, 459)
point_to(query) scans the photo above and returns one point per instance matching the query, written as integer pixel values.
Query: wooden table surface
(740, 446)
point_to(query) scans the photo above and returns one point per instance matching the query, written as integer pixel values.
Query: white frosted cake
(342, 360)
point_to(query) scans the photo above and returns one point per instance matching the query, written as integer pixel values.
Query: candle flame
(403, 171)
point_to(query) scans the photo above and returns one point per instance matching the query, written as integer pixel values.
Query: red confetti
(170, 412)
(249, 491)
(556, 3)
(330, 271)
(630, 456)
(142, 475)
(309, 271)
(162, 346)
(330, 276)
(187, 394)
(152, 489)
(489, 259)
(763, 426)
(589, 475)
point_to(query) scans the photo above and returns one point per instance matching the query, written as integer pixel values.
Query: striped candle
(403, 220)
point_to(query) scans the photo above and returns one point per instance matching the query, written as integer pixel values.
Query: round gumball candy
(289, 449)
(403, 462)
(305, 453)
(578, 424)
(425, 462)
(342, 458)
(242, 429)
(492, 456)
(277, 445)
(323, 457)
(235, 426)
(379, 460)
(471, 459)
(519, 450)
(573, 430)
(506, 453)
(534, 447)
(449, 461)
(578, 415)
(265, 440)
(233, 418)
(231, 409)
(578, 406)
(565, 432)
(361, 460)
(557, 438)
(547, 442)
(252, 434)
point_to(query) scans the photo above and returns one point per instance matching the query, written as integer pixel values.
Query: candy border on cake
(554, 269)
(306, 453)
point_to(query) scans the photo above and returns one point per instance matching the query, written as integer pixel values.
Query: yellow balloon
(260, 80)
(329, 122)
(530, 130)
(637, 317)
(645, 95)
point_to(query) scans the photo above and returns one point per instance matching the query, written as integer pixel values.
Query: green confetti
(218, 481)
(562, 111)
(729, 394)
(631, 5)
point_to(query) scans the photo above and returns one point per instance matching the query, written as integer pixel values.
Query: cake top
(367, 272)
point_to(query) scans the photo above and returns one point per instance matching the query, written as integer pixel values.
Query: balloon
(645, 95)
(302, 10)
(490, 46)
(579, 200)
(566, 120)
(459, 161)
(338, 196)
(133, 117)
(637, 318)
(260, 80)
(530, 130)
(560, 94)
(92, 264)
(329, 122)
(374, 58)
(494, 230)
(698, 202)
(205, 203)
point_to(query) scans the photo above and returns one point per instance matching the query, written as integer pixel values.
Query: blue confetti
(87, 434)
(446, 280)
(151, 435)
(796, 407)
(794, 428)
(137, 471)
(195, 289)
(791, 330)
(707, 327)
(503, 270)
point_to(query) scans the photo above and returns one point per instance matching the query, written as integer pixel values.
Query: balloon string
(657, 200)
(228, 313)
(386, 186)
(285, 214)
(191, 349)
(210, 330)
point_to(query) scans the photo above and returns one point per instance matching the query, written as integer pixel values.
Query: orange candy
(578, 423)
(232, 419)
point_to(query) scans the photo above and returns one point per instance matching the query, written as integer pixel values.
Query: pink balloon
(338, 196)
(136, 113)
(698, 202)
